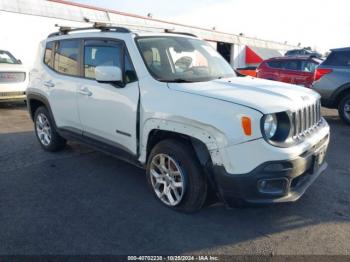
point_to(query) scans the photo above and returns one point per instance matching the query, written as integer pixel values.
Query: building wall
(21, 34)
(24, 23)
(238, 57)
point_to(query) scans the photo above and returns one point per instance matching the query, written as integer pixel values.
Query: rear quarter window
(340, 58)
(308, 66)
(48, 54)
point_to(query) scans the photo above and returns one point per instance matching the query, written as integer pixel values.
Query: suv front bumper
(273, 181)
(12, 96)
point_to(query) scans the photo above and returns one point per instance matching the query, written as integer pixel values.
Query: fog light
(273, 186)
(276, 167)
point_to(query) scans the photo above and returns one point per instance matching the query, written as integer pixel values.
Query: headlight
(277, 129)
(270, 125)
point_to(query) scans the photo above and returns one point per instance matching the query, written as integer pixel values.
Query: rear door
(108, 112)
(291, 71)
(61, 80)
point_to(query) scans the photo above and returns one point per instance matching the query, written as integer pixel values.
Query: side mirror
(109, 74)
(19, 61)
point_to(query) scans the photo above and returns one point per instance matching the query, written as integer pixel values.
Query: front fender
(207, 134)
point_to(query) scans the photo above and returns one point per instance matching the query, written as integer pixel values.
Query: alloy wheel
(347, 109)
(167, 179)
(43, 129)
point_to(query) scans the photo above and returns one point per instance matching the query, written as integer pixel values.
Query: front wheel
(45, 131)
(176, 177)
(344, 109)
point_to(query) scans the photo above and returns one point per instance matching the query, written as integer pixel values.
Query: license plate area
(12, 77)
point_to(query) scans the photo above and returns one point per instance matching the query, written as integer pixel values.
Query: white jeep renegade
(171, 104)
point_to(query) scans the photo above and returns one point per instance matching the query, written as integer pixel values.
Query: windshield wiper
(177, 80)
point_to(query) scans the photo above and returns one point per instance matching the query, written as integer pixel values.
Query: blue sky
(320, 24)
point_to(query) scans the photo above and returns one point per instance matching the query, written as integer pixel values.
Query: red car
(294, 70)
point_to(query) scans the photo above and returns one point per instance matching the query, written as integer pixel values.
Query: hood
(263, 95)
(12, 68)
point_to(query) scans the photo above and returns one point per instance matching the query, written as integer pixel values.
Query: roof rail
(171, 31)
(103, 27)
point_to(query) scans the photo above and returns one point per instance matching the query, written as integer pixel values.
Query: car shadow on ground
(80, 201)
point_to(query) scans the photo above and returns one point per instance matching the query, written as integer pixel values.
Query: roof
(99, 29)
(255, 55)
(301, 57)
(265, 52)
(341, 49)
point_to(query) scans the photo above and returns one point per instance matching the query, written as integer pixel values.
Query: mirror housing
(109, 74)
(19, 61)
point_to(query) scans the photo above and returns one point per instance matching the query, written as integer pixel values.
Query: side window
(292, 65)
(308, 66)
(48, 54)
(274, 64)
(99, 53)
(292, 53)
(130, 73)
(66, 57)
(340, 58)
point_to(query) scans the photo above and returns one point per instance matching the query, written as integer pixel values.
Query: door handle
(49, 84)
(85, 91)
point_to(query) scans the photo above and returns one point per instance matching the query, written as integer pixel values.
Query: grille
(7, 94)
(306, 119)
(12, 77)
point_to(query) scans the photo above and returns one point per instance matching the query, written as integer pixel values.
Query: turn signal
(247, 125)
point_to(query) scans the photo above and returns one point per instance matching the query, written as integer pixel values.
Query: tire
(181, 157)
(45, 131)
(344, 109)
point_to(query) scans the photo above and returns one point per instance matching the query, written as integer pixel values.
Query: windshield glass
(181, 59)
(7, 58)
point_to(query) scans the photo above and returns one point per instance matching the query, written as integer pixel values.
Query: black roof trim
(64, 30)
(341, 49)
(170, 31)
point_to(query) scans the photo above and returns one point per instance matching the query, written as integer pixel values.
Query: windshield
(180, 59)
(7, 58)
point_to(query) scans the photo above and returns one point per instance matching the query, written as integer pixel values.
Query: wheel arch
(200, 149)
(203, 154)
(204, 139)
(340, 93)
(34, 101)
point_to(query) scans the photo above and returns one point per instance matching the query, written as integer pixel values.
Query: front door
(109, 112)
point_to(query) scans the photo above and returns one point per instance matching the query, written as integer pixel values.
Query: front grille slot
(306, 119)
(8, 94)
